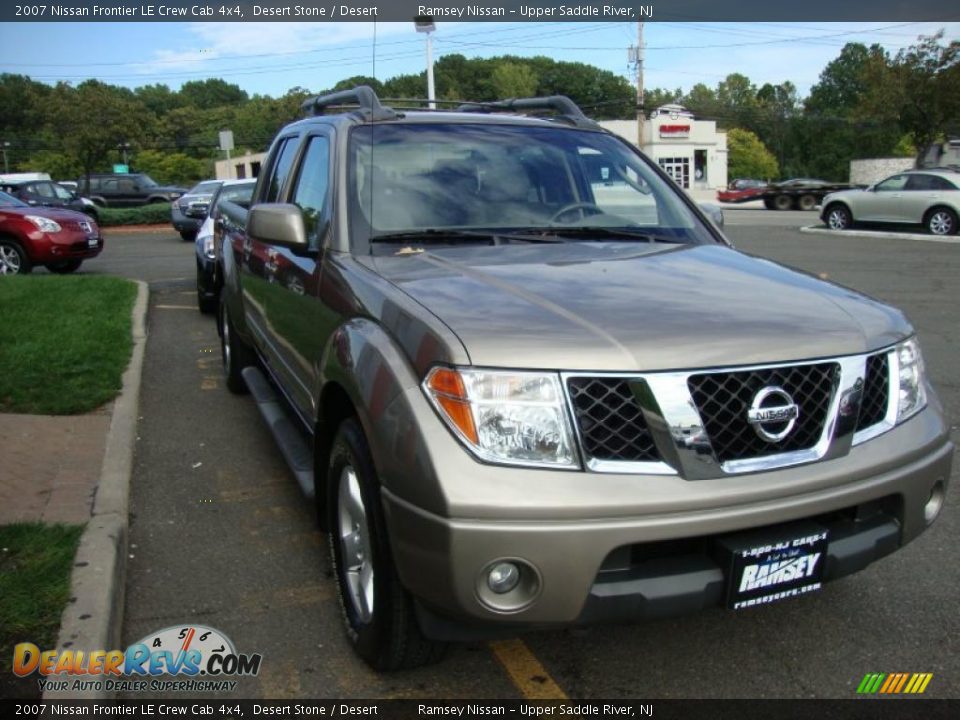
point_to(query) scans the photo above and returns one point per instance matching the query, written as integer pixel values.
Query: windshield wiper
(439, 235)
(593, 232)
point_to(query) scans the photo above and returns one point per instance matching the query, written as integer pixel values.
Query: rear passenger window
(280, 170)
(312, 185)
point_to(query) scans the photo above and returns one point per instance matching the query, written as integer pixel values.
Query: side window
(127, 186)
(44, 190)
(897, 182)
(312, 185)
(280, 169)
(920, 182)
(940, 183)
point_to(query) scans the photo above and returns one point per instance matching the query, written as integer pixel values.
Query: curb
(93, 618)
(127, 229)
(880, 234)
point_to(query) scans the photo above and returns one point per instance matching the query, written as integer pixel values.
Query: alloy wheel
(355, 551)
(9, 260)
(941, 223)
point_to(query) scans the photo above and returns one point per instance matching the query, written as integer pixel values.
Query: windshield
(10, 201)
(62, 192)
(146, 181)
(236, 193)
(500, 178)
(207, 187)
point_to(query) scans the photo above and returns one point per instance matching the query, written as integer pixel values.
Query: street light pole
(425, 24)
(123, 148)
(3, 146)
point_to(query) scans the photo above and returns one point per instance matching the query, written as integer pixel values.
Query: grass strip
(64, 342)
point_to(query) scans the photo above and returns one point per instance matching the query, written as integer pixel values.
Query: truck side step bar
(295, 450)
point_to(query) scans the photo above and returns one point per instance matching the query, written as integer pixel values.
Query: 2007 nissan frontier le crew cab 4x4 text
(529, 384)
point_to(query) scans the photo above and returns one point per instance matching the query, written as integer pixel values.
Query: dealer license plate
(92, 241)
(767, 566)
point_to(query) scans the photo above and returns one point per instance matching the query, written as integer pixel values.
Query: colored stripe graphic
(894, 683)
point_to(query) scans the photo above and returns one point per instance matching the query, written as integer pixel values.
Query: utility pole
(636, 57)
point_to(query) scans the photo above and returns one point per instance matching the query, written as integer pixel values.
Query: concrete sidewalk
(51, 466)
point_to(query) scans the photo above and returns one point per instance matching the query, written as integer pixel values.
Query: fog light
(503, 577)
(934, 504)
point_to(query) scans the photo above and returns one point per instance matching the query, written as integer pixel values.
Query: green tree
(511, 80)
(748, 157)
(93, 119)
(211, 93)
(920, 88)
(172, 168)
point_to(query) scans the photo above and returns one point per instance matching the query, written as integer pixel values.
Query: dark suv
(47, 193)
(126, 190)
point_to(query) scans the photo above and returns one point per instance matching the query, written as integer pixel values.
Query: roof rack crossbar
(363, 96)
(564, 106)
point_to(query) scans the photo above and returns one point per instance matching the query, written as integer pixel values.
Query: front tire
(839, 218)
(377, 611)
(236, 354)
(941, 221)
(13, 259)
(188, 236)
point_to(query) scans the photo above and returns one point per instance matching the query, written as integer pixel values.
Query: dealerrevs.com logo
(199, 658)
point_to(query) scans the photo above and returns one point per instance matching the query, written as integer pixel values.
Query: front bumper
(54, 247)
(182, 222)
(607, 547)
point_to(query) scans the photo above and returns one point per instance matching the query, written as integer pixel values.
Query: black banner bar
(480, 11)
(875, 708)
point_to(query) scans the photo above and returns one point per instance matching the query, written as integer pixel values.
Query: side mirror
(279, 224)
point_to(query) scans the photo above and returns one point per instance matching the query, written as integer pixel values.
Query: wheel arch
(930, 211)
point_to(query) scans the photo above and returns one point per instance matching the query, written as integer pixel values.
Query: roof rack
(363, 96)
(566, 108)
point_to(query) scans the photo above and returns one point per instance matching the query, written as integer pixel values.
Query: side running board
(295, 450)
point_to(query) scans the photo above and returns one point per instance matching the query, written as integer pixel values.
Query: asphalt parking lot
(220, 536)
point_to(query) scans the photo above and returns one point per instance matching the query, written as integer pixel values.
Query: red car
(57, 238)
(741, 190)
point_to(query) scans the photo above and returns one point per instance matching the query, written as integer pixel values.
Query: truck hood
(636, 307)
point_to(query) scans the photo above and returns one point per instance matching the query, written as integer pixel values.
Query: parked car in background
(188, 212)
(930, 198)
(46, 193)
(126, 190)
(58, 238)
(210, 240)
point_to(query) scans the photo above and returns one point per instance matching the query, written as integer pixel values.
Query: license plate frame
(774, 564)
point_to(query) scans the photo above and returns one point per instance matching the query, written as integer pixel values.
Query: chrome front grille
(704, 424)
(723, 399)
(612, 426)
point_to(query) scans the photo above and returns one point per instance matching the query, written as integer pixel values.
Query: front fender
(364, 360)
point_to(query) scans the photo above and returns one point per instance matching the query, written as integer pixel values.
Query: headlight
(912, 398)
(208, 246)
(514, 418)
(44, 224)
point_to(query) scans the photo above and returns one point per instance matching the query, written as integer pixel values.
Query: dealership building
(693, 152)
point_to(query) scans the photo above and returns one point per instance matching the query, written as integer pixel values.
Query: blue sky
(270, 58)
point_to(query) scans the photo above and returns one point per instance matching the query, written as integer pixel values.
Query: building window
(241, 171)
(678, 169)
(254, 169)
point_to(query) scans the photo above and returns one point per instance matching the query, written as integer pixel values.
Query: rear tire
(64, 268)
(768, 203)
(13, 258)
(782, 202)
(807, 202)
(237, 355)
(378, 612)
(941, 221)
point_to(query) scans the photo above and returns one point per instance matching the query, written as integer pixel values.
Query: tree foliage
(748, 157)
(866, 103)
